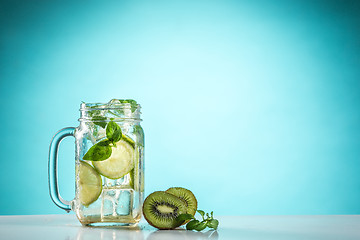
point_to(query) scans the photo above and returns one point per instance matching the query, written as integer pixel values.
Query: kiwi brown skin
(187, 196)
(163, 198)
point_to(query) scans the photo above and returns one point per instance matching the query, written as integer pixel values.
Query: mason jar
(109, 157)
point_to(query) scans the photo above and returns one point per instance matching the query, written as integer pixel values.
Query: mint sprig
(113, 132)
(99, 152)
(102, 150)
(99, 120)
(99, 113)
(207, 221)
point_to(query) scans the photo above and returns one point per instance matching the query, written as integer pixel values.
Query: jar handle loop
(53, 177)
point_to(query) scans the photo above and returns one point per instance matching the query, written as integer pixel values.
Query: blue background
(253, 105)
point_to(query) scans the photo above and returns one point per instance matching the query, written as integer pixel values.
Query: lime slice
(90, 184)
(129, 140)
(119, 163)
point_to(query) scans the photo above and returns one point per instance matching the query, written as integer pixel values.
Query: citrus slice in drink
(120, 162)
(89, 183)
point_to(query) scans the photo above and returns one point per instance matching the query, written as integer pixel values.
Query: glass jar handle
(53, 178)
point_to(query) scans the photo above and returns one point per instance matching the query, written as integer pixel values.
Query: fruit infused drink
(109, 164)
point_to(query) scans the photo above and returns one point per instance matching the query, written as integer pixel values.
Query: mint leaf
(208, 221)
(97, 116)
(213, 223)
(201, 226)
(184, 217)
(99, 120)
(133, 104)
(113, 132)
(202, 213)
(99, 152)
(192, 224)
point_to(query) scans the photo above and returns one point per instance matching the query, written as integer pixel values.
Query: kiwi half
(161, 209)
(187, 196)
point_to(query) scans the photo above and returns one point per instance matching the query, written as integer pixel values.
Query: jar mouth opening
(104, 106)
(114, 110)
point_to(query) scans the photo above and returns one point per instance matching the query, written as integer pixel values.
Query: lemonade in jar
(109, 157)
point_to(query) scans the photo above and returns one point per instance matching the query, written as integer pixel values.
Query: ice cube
(124, 205)
(113, 102)
(109, 203)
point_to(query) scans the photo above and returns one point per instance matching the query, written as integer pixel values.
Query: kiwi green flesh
(161, 209)
(187, 196)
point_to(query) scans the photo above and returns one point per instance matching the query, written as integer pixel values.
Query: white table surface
(342, 227)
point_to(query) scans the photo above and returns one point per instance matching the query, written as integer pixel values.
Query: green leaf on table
(202, 213)
(208, 221)
(99, 152)
(201, 226)
(113, 132)
(213, 223)
(192, 224)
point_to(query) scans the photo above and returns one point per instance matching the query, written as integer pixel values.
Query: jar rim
(85, 119)
(114, 110)
(104, 106)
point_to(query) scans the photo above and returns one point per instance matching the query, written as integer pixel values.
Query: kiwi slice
(161, 209)
(187, 196)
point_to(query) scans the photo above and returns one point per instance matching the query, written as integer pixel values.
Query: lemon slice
(120, 162)
(90, 184)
